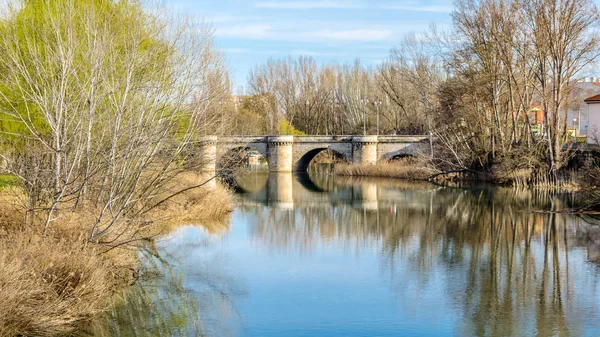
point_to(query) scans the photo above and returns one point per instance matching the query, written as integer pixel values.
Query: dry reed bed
(565, 180)
(569, 180)
(404, 170)
(208, 205)
(49, 285)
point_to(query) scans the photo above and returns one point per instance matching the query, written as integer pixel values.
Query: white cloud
(247, 51)
(267, 32)
(353, 35)
(304, 52)
(413, 6)
(420, 8)
(250, 31)
(306, 5)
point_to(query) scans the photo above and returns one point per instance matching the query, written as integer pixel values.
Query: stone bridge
(293, 153)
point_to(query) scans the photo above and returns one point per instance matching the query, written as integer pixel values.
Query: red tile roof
(592, 99)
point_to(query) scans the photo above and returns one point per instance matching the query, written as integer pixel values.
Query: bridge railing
(312, 139)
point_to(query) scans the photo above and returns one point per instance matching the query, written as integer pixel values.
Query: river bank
(409, 170)
(52, 282)
(573, 177)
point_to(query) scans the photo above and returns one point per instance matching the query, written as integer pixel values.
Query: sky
(249, 32)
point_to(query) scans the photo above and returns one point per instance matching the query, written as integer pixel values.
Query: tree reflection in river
(506, 268)
(164, 303)
(330, 256)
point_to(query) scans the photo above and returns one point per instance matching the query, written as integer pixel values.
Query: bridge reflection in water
(331, 256)
(301, 190)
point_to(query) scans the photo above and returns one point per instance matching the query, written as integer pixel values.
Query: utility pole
(364, 101)
(222, 113)
(578, 122)
(377, 105)
(333, 121)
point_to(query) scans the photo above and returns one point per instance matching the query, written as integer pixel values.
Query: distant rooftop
(592, 99)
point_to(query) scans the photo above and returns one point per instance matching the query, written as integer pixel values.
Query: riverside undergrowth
(50, 284)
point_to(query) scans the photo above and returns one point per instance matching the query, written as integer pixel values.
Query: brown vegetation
(405, 169)
(208, 205)
(49, 284)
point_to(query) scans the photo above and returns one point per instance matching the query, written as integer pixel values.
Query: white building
(593, 119)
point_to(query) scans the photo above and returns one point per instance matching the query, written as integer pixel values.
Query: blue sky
(251, 31)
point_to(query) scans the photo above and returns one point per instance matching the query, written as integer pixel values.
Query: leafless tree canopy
(476, 88)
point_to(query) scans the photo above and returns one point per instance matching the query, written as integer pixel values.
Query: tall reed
(401, 169)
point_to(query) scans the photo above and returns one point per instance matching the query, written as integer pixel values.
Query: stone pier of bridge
(293, 153)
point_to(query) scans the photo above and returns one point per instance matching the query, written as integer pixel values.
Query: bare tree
(565, 44)
(103, 104)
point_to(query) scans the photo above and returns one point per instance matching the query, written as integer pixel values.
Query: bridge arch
(396, 155)
(401, 150)
(232, 155)
(304, 160)
(230, 159)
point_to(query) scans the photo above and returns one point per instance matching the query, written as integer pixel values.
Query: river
(331, 256)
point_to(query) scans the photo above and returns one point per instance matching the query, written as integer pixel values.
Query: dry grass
(566, 180)
(405, 169)
(209, 205)
(49, 285)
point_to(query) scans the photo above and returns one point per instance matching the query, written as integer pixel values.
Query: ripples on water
(331, 256)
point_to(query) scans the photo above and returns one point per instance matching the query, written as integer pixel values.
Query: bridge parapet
(243, 139)
(322, 139)
(402, 139)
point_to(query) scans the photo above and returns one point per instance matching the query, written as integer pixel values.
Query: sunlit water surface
(325, 256)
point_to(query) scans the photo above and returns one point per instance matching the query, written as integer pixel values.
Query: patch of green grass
(7, 180)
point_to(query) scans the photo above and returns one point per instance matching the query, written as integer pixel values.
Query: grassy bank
(208, 205)
(404, 169)
(571, 179)
(50, 284)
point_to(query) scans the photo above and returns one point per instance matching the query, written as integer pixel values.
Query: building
(576, 110)
(593, 119)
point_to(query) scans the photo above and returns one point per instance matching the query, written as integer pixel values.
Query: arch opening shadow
(397, 156)
(305, 180)
(236, 163)
(304, 162)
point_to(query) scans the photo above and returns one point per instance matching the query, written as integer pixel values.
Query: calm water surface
(325, 256)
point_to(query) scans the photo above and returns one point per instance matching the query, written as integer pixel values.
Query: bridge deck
(318, 139)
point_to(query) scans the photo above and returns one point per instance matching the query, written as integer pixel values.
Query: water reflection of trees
(163, 303)
(516, 271)
(508, 269)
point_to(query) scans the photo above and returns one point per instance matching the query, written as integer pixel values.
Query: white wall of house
(578, 119)
(593, 123)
